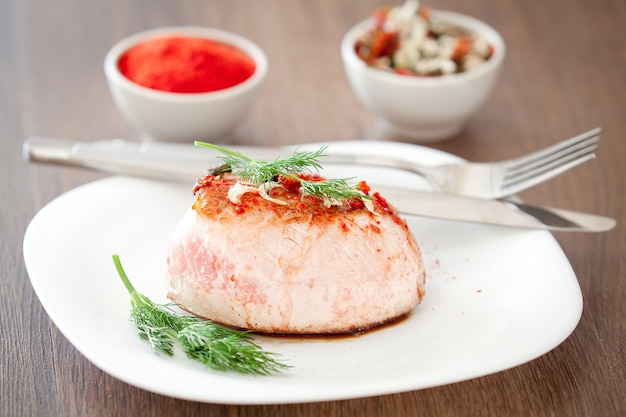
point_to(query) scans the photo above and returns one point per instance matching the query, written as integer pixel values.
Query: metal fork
(180, 161)
(493, 180)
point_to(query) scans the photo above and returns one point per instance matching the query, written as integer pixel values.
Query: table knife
(497, 212)
(173, 162)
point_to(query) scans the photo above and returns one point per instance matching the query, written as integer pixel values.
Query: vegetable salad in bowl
(422, 73)
(407, 40)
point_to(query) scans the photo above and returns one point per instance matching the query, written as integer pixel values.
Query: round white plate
(496, 297)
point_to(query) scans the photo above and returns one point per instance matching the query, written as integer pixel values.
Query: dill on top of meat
(257, 173)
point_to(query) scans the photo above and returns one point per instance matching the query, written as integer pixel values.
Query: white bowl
(425, 109)
(167, 116)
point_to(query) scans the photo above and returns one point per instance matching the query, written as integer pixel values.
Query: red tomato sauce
(186, 65)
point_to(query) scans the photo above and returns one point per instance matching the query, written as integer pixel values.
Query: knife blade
(174, 162)
(496, 212)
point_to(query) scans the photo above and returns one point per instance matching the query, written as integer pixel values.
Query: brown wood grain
(565, 72)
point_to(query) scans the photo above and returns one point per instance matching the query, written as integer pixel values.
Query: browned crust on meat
(212, 202)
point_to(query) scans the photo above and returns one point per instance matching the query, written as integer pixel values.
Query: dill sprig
(226, 349)
(217, 347)
(333, 189)
(257, 172)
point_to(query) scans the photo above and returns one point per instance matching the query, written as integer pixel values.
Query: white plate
(496, 298)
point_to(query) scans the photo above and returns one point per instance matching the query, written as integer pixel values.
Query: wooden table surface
(565, 73)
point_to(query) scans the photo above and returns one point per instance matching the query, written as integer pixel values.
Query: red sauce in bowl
(180, 64)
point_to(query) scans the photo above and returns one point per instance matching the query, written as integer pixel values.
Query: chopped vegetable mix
(408, 41)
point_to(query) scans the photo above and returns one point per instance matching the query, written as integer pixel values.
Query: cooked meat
(290, 264)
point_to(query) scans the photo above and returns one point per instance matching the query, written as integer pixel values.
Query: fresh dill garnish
(256, 172)
(217, 347)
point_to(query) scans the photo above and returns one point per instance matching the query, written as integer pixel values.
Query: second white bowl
(424, 109)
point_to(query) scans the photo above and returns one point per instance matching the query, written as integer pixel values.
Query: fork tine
(554, 152)
(550, 161)
(544, 172)
(520, 171)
